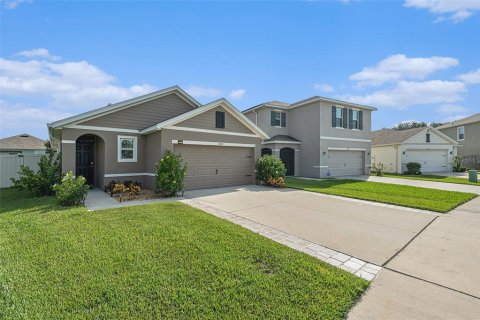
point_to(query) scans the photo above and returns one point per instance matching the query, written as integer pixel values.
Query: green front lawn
(166, 261)
(432, 177)
(407, 196)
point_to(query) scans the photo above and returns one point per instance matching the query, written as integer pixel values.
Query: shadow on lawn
(319, 184)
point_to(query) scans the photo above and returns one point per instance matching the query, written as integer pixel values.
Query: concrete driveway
(370, 232)
(430, 262)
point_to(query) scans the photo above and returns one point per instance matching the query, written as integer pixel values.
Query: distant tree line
(414, 124)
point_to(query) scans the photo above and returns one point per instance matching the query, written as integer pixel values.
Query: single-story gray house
(125, 140)
(428, 146)
(317, 137)
(22, 144)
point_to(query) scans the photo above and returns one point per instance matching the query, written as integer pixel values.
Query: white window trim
(280, 113)
(119, 149)
(458, 133)
(358, 119)
(342, 117)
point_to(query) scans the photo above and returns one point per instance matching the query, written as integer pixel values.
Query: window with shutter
(360, 120)
(277, 119)
(334, 116)
(344, 118)
(284, 119)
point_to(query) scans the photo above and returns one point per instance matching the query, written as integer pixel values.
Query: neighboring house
(466, 132)
(427, 146)
(23, 144)
(124, 141)
(317, 137)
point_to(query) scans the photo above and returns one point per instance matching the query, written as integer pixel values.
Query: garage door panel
(345, 162)
(431, 160)
(212, 166)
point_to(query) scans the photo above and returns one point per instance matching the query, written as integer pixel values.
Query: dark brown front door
(84, 158)
(287, 155)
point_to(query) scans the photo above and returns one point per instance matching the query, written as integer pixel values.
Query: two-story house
(466, 132)
(317, 137)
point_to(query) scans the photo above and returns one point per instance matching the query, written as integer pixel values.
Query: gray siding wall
(264, 121)
(304, 125)
(206, 120)
(143, 115)
(471, 144)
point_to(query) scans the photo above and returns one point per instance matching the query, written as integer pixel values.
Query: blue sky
(413, 60)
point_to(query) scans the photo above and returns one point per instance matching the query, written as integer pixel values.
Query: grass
(432, 177)
(407, 196)
(167, 260)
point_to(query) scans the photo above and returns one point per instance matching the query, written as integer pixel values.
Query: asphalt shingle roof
(391, 136)
(282, 137)
(467, 120)
(22, 142)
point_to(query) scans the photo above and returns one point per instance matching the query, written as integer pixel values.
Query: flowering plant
(170, 174)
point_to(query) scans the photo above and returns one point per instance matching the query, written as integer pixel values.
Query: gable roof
(22, 142)
(472, 119)
(126, 104)
(282, 138)
(220, 102)
(392, 136)
(286, 106)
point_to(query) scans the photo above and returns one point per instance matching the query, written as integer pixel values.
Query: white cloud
(471, 77)
(450, 108)
(12, 4)
(409, 93)
(454, 118)
(37, 53)
(237, 94)
(454, 10)
(400, 67)
(77, 84)
(17, 118)
(323, 87)
(201, 91)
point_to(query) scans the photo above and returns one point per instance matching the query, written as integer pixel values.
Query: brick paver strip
(358, 267)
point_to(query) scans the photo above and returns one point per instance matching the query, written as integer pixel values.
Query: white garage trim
(320, 166)
(344, 139)
(212, 143)
(240, 134)
(113, 175)
(347, 149)
(69, 141)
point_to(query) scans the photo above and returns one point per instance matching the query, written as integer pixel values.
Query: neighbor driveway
(430, 262)
(420, 183)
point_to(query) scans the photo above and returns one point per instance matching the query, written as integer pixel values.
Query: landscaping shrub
(269, 169)
(129, 188)
(279, 182)
(378, 168)
(50, 173)
(72, 190)
(170, 174)
(413, 168)
(462, 169)
(457, 164)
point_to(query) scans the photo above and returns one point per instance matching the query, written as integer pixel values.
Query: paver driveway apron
(370, 232)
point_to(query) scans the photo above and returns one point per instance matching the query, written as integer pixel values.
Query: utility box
(472, 176)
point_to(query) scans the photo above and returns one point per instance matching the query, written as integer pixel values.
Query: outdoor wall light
(451, 152)
(403, 152)
(324, 152)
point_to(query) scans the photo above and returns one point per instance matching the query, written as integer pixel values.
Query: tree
(415, 124)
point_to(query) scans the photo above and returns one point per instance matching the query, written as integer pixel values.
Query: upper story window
(355, 123)
(339, 118)
(127, 149)
(220, 119)
(278, 119)
(461, 133)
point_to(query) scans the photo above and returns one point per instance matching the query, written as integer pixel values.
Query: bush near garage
(270, 170)
(170, 174)
(414, 168)
(72, 191)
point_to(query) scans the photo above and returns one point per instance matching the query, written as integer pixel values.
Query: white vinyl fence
(10, 165)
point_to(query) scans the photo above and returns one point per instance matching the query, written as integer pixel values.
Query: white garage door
(431, 160)
(346, 163)
(212, 166)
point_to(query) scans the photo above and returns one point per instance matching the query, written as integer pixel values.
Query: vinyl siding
(143, 115)
(206, 120)
(470, 145)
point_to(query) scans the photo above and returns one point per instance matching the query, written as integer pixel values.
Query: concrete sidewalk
(419, 183)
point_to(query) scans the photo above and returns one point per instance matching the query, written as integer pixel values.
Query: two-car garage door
(216, 166)
(431, 160)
